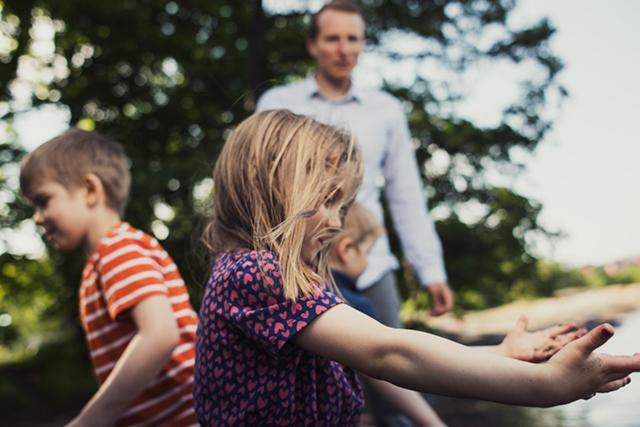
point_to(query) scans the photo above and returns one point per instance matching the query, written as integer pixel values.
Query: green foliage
(597, 277)
(32, 306)
(629, 274)
(55, 380)
(169, 79)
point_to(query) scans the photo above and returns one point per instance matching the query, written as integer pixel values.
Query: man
(335, 41)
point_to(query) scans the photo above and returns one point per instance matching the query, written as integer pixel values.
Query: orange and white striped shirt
(127, 267)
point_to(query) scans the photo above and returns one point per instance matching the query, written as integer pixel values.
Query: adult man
(335, 41)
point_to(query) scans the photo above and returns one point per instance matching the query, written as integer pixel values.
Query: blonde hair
(275, 170)
(69, 157)
(359, 225)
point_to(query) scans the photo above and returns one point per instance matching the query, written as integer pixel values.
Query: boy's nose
(38, 218)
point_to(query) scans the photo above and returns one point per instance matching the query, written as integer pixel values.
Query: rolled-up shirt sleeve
(408, 205)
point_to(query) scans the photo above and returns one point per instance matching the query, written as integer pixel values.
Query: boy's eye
(40, 202)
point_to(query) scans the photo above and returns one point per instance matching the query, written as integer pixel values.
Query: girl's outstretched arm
(428, 363)
(536, 346)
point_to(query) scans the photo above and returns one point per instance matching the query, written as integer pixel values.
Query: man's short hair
(350, 6)
(69, 157)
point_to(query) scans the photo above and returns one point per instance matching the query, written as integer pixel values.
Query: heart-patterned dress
(247, 372)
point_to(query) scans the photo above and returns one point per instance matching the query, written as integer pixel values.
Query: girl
(275, 344)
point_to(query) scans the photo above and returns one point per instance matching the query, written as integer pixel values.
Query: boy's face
(63, 213)
(354, 257)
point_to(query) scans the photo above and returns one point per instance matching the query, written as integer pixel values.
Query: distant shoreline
(582, 306)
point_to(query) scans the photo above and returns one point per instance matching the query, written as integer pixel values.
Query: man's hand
(442, 298)
(538, 346)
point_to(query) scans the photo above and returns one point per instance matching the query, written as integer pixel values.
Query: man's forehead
(332, 20)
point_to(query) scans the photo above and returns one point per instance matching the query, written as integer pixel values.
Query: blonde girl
(276, 346)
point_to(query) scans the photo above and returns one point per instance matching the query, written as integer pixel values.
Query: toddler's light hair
(275, 170)
(359, 225)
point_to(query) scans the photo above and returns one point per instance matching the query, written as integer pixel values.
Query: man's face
(338, 44)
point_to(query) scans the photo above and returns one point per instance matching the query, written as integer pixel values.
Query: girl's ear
(94, 190)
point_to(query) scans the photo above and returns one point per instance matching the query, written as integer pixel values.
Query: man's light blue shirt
(380, 126)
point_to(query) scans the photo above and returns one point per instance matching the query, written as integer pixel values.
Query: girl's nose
(334, 218)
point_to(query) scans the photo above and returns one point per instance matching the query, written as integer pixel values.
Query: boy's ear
(342, 248)
(94, 190)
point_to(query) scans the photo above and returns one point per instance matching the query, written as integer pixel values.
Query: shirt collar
(312, 91)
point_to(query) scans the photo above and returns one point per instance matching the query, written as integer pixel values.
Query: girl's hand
(538, 346)
(581, 373)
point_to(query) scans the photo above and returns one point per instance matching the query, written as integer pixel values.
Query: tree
(169, 80)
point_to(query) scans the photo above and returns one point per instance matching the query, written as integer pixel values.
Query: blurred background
(524, 118)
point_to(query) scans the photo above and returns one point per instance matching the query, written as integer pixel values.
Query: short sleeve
(255, 304)
(128, 274)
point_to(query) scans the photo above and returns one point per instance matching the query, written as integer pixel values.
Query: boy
(348, 259)
(134, 307)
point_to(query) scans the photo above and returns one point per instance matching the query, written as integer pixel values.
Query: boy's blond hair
(360, 225)
(69, 157)
(275, 170)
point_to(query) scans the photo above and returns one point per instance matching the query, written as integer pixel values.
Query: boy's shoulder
(123, 239)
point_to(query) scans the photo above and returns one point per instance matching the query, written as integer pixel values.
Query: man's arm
(408, 205)
(441, 296)
(142, 360)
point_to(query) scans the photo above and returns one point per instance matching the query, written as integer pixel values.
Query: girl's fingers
(565, 339)
(595, 338)
(523, 323)
(558, 330)
(546, 355)
(614, 385)
(620, 364)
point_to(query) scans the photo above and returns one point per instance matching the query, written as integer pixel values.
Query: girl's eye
(333, 198)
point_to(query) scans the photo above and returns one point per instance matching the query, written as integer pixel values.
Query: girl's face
(323, 226)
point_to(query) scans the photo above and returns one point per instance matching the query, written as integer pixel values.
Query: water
(617, 409)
